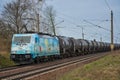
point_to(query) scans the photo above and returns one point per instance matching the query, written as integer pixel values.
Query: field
(107, 68)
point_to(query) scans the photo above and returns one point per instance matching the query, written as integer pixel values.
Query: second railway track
(38, 69)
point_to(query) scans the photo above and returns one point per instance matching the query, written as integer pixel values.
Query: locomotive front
(21, 48)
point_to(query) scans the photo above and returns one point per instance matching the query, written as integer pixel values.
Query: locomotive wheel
(37, 60)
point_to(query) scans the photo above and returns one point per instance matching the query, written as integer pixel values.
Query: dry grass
(4, 45)
(4, 53)
(5, 60)
(107, 68)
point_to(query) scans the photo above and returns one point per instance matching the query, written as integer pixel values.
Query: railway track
(24, 72)
(11, 67)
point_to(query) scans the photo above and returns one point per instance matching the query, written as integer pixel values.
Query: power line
(89, 22)
(108, 5)
(71, 19)
(97, 25)
(71, 22)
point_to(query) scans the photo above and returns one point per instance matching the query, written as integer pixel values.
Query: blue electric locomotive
(33, 46)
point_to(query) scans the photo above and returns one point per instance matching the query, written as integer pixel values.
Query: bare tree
(14, 13)
(50, 17)
(35, 14)
(22, 15)
(5, 30)
(18, 16)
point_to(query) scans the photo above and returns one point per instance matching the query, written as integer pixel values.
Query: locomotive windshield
(22, 39)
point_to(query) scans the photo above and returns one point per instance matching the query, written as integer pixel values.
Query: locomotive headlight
(27, 56)
(28, 51)
(12, 56)
(13, 52)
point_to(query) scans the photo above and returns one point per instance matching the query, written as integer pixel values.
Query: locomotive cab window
(22, 39)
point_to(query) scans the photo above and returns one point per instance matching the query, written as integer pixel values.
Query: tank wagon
(34, 47)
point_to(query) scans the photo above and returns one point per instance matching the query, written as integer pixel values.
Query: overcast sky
(75, 12)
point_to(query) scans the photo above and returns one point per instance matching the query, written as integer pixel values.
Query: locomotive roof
(40, 33)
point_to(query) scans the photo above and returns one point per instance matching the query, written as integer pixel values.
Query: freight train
(34, 47)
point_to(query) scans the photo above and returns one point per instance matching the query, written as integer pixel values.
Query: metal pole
(101, 39)
(82, 33)
(38, 27)
(112, 43)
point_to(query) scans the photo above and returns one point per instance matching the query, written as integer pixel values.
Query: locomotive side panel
(47, 45)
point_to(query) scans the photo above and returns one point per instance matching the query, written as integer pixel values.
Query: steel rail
(48, 68)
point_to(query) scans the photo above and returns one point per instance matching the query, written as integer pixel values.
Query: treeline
(20, 16)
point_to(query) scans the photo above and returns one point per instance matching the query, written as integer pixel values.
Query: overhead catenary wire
(97, 25)
(81, 26)
(108, 5)
(70, 19)
(114, 17)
